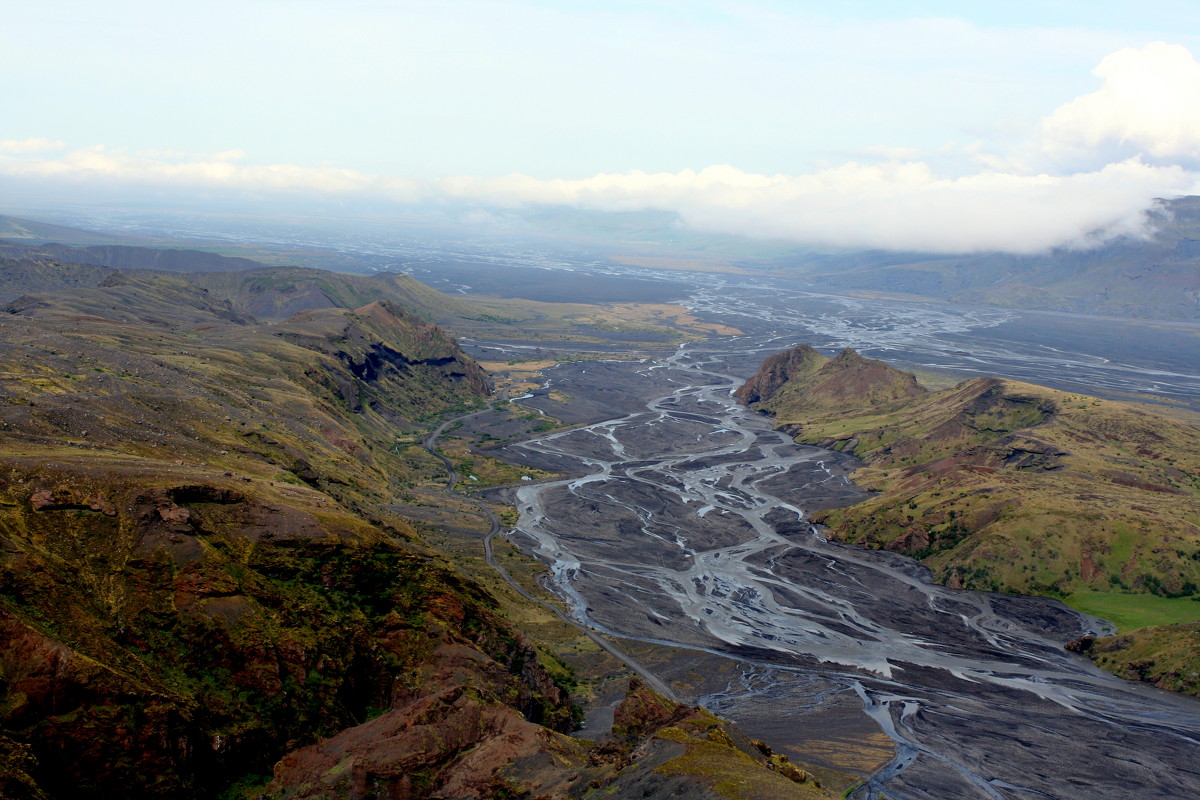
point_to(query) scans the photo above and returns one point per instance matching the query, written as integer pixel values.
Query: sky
(940, 126)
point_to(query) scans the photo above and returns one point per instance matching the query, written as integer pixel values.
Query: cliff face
(797, 363)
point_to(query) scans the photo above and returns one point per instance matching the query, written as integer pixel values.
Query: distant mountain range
(1155, 278)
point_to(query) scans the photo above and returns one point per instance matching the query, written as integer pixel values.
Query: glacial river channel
(685, 523)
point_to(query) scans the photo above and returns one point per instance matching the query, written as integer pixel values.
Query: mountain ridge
(1005, 486)
(933, 455)
(1155, 277)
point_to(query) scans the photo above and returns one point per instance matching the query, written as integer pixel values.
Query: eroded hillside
(200, 573)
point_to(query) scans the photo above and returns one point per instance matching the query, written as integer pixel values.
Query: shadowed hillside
(126, 257)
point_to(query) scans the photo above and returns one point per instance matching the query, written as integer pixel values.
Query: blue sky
(404, 99)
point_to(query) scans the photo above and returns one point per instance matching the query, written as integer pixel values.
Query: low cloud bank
(902, 206)
(1090, 173)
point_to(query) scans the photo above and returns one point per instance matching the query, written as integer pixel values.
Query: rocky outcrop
(777, 370)
(446, 737)
(802, 380)
(461, 743)
(385, 357)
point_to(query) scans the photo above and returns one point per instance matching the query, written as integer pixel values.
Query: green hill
(1002, 485)
(275, 292)
(1006, 486)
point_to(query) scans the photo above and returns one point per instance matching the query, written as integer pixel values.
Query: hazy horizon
(1015, 129)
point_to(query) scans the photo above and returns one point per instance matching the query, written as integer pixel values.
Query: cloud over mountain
(1088, 172)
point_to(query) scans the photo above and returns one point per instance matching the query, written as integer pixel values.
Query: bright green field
(1131, 611)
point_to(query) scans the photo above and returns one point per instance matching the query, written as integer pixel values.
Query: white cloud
(897, 205)
(96, 164)
(1149, 104)
(911, 209)
(901, 205)
(30, 145)
(1104, 158)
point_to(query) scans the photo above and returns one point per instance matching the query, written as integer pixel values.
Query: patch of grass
(487, 471)
(1131, 611)
(712, 756)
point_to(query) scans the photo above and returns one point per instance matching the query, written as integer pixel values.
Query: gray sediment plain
(683, 526)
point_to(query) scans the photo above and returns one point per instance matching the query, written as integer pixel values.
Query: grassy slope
(1000, 485)
(190, 508)
(1010, 486)
(1167, 656)
(199, 570)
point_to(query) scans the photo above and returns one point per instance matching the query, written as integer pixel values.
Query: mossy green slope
(197, 572)
(1167, 656)
(1002, 485)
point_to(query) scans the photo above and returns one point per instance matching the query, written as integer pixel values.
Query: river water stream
(685, 523)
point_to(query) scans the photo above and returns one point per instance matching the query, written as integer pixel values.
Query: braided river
(684, 523)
